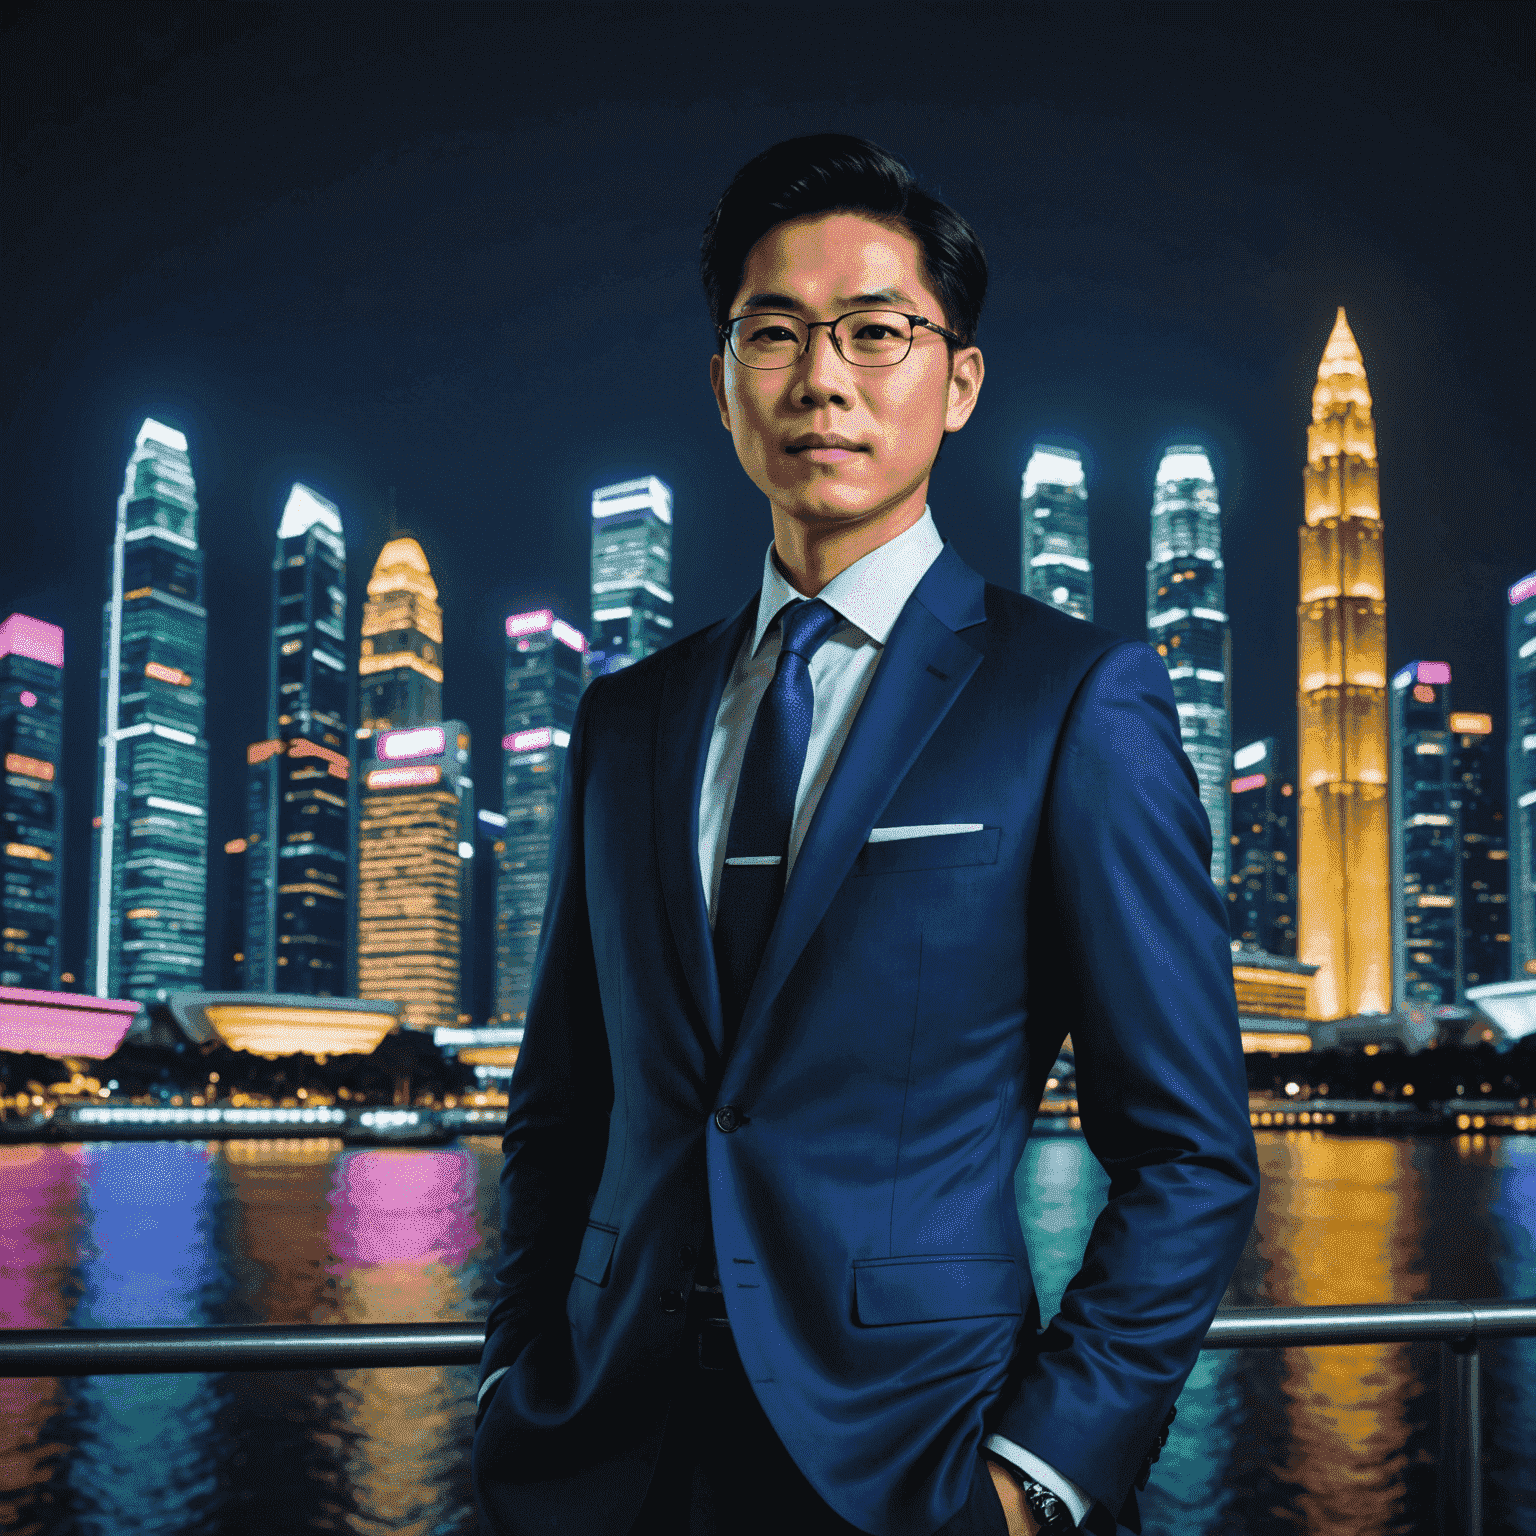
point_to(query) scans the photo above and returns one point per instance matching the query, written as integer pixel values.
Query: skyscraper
(298, 790)
(149, 862)
(31, 802)
(415, 846)
(1187, 622)
(1261, 890)
(1426, 840)
(544, 675)
(631, 572)
(1343, 862)
(1053, 509)
(1484, 881)
(1521, 661)
(400, 666)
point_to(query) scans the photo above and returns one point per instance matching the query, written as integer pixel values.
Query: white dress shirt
(868, 597)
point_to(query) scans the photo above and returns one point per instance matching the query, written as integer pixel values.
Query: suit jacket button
(728, 1117)
(687, 1255)
(671, 1301)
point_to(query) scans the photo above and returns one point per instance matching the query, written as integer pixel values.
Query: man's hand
(1020, 1521)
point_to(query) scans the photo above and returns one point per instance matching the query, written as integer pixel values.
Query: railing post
(1461, 1439)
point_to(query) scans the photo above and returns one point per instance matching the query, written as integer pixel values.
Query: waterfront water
(1333, 1442)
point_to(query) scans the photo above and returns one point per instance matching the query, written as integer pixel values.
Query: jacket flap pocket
(596, 1253)
(944, 851)
(929, 1290)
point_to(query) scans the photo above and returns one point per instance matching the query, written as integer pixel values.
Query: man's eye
(768, 333)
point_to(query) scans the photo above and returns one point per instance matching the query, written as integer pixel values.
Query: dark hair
(824, 172)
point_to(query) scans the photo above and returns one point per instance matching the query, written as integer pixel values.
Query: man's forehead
(837, 258)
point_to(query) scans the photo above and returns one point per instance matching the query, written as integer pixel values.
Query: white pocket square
(932, 829)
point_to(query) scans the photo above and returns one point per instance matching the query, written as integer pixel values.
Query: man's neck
(811, 554)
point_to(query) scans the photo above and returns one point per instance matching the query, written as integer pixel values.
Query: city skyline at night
(1056, 564)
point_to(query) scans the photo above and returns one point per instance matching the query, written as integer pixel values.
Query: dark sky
(453, 249)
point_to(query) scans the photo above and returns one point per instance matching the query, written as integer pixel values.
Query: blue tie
(757, 847)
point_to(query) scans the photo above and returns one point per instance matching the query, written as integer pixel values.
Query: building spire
(1341, 380)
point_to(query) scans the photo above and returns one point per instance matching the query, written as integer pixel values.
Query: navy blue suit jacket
(888, 1067)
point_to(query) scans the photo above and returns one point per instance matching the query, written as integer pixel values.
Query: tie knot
(806, 625)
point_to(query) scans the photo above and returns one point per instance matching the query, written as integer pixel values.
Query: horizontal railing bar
(144, 1351)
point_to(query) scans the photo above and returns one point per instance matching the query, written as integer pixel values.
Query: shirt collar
(870, 593)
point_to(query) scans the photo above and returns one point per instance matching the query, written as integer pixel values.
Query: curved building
(1187, 623)
(150, 849)
(400, 662)
(1053, 510)
(1343, 858)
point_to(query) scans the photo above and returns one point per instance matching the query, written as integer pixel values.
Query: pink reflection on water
(392, 1206)
(39, 1231)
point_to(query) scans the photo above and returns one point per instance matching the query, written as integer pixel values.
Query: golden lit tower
(1344, 907)
(400, 668)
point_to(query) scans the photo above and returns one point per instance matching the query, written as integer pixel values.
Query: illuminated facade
(490, 844)
(631, 572)
(149, 865)
(1343, 862)
(415, 873)
(1187, 622)
(400, 661)
(298, 788)
(1261, 890)
(1426, 840)
(31, 801)
(1053, 511)
(1521, 661)
(1484, 874)
(544, 673)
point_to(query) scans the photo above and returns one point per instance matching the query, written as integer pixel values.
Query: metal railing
(1459, 1327)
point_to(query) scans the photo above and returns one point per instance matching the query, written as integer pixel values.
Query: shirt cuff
(1030, 1465)
(495, 1376)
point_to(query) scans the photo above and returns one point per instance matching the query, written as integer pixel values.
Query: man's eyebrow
(785, 302)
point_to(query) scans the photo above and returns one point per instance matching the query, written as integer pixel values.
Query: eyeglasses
(867, 338)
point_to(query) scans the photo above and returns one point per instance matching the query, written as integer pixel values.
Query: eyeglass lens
(868, 338)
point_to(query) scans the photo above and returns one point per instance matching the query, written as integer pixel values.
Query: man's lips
(824, 448)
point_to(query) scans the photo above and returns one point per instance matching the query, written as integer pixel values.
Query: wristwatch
(1049, 1508)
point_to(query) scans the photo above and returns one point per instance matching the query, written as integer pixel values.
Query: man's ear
(966, 371)
(717, 383)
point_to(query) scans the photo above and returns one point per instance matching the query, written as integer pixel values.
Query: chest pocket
(946, 851)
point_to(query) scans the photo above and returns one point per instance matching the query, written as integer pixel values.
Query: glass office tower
(1521, 662)
(1261, 890)
(400, 665)
(1187, 622)
(1426, 840)
(1343, 855)
(1484, 895)
(544, 677)
(150, 849)
(631, 572)
(415, 874)
(298, 790)
(31, 802)
(1053, 510)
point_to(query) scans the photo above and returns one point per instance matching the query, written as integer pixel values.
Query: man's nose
(824, 371)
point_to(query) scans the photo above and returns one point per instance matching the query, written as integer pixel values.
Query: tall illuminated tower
(1187, 622)
(1345, 901)
(1426, 839)
(544, 675)
(1053, 509)
(1521, 662)
(149, 866)
(631, 572)
(297, 864)
(1484, 876)
(31, 801)
(400, 665)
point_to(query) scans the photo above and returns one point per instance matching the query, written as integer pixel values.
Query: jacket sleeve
(1130, 952)
(556, 1134)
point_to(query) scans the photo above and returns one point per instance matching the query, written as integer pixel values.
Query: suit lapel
(919, 676)
(690, 699)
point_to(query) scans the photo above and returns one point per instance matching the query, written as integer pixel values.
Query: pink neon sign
(1522, 589)
(1434, 671)
(527, 741)
(568, 634)
(529, 623)
(1253, 781)
(34, 638)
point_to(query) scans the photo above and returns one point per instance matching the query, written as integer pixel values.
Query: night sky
(452, 249)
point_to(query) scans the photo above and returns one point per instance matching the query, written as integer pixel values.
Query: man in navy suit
(833, 879)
